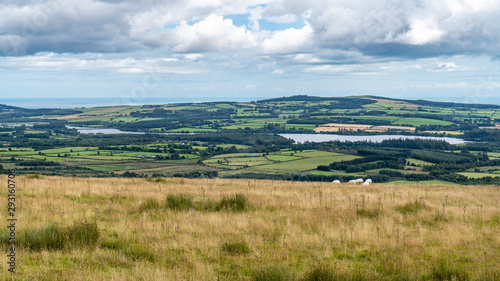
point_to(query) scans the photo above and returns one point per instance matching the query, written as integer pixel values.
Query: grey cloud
(383, 28)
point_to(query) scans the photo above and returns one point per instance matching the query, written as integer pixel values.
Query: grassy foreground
(210, 229)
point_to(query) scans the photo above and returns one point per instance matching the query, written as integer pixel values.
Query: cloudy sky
(246, 50)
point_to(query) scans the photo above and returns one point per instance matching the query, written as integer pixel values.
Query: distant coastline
(102, 102)
(92, 102)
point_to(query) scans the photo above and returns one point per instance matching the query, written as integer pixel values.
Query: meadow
(220, 229)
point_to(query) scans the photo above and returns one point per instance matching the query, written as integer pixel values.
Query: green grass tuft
(326, 273)
(443, 271)
(82, 234)
(53, 237)
(368, 213)
(180, 202)
(48, 238)
(411, 207)
(236, 248)
(150, 204)
(237, 202)
(273, 273)
(134, 251)
(156, 179)
(34, 176)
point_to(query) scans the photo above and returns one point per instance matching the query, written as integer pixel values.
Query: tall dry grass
(284, 231)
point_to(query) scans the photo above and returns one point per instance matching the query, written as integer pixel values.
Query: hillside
(216, 229)
(247, 140)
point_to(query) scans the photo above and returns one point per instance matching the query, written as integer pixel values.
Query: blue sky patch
(239, 20)
(273, 26)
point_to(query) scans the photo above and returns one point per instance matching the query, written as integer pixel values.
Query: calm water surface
(300, 138)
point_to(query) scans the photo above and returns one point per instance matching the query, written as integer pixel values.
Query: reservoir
(299, 138)
(108, 131)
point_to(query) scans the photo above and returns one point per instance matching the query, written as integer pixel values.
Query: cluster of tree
(309, 177)
(335, 102)
(417, 144)
(442, 157)
(366, 163)
(491, 135)
(197, 174)
(35, 163)
(185, 115)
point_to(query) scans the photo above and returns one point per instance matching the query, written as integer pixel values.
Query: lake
(296, 137)
(300, 138)
(107, 131)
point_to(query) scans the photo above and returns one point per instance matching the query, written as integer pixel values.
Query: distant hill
(340, 102)
(5, 107)
(439, 103)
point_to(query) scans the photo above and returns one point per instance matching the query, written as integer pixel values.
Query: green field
(479, 175)
(192, 130)
(301, 165)
(420, 121)
(418, 162)
(396, 170)
(110, 168)
(326, 173)
(282, 162)
(238, 146)
(282, 158)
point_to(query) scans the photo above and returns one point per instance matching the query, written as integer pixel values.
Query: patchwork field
(420, 121)
(358, 127)
(279, 162)
(479, 175)
(215, 229)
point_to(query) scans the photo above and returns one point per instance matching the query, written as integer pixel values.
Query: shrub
(48, 238)
(237, 202)
(180, 202)
(207, 205)
(157, 179)
(83, 234)
(34, 176)
(149, 204)
(54, 237)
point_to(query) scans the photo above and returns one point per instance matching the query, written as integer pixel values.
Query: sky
(135, 50)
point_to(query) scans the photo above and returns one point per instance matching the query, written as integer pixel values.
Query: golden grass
(293, 225)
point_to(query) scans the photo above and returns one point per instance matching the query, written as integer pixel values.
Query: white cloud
(65, 62)
(422, 32)
(306, 58)
(278, 72)
(355, 69)
(288, 41)
(251, 87)
(214, 33)
(449, 66)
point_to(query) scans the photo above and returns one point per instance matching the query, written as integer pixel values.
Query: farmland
(231, 140)
(135, 229)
